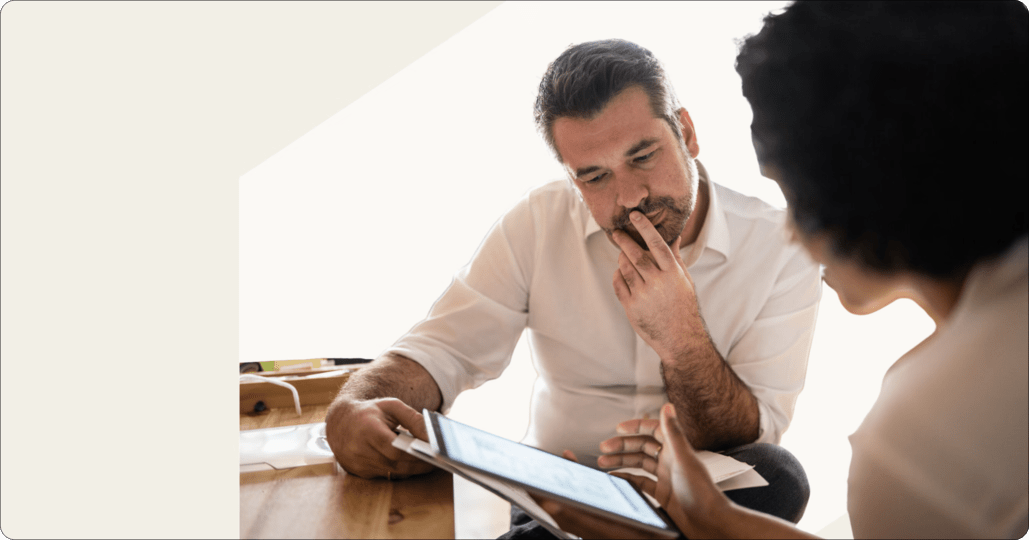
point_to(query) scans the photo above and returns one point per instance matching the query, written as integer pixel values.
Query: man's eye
(594, 179)
(644, 158)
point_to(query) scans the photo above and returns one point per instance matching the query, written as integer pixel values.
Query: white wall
(348, 235)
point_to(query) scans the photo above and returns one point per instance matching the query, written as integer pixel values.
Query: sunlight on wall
(350, 234)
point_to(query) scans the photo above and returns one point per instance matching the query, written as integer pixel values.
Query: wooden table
(323, 501)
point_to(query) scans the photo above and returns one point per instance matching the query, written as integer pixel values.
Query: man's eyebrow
(640, 146)
(586, 170)
(635, 148)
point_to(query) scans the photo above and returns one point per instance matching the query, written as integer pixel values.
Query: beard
(672, 221)
(676, 212)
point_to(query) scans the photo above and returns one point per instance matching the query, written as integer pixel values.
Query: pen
(284, 365)
(346, 361)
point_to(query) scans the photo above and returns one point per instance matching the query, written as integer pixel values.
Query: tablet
(545, 474)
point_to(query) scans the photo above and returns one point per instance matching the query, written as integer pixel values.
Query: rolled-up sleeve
(771, 356)
(470, 333)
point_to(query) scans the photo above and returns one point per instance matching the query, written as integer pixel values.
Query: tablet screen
(543, 471)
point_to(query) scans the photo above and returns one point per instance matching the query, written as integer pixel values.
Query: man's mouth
(655, 219)
(656, 216)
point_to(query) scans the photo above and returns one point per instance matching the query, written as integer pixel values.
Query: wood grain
(324, 501)
(312, 390)
(277, 417)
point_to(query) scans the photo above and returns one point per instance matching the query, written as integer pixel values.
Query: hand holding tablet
(545, 475)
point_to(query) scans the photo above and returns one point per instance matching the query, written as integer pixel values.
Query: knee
(784, 468)
(788, 486)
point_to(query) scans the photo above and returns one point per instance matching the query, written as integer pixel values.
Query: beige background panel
(124, 130)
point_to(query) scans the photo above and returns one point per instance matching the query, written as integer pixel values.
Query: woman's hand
(683, 488)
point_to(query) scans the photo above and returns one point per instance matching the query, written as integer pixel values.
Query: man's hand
(656, 290)
(719, 410)
(684, 488)
(637, 440)
(361, 433)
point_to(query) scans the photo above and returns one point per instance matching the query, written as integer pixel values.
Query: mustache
(648, 206)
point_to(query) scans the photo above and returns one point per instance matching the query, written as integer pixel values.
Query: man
(898, 134)
(614, 321)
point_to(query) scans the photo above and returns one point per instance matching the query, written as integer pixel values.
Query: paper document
(728, 473)
(283, 447)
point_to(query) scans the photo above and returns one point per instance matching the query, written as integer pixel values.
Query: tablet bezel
(439, 445)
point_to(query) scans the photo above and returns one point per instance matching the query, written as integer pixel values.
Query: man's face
(627, 159)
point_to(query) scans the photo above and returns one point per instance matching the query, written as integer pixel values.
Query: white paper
(728, 473)
(283, 447)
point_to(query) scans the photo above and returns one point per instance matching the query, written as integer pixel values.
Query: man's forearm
(716, 408)
(393, 376)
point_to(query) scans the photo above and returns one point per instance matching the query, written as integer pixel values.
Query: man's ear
(689, 134)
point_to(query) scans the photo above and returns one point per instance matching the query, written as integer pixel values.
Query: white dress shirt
(944, 452)
(547, 266)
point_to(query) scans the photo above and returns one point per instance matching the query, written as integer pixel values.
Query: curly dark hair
(585, 77)
(898, 129)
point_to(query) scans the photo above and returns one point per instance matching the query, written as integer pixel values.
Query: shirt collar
(714, 234)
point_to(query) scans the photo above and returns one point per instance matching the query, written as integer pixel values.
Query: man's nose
(631, 191)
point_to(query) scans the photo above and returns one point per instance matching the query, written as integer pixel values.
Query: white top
(944, 452)
(547, 266)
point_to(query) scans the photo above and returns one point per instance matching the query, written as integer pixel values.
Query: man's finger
(677, 253)
(393, 460)
(404, 469)
(406, 416)
(373, 460)
(404, 466)
(629, 271)
(622, 291)
(631, 443)
(658, 248)
(389, 456)
(638, 426)
(620, 461)
(641, 260)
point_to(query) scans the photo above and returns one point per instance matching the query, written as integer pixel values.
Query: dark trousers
(785, 496)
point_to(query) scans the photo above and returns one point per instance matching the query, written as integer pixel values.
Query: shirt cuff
(444, 380)
(768, 431)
